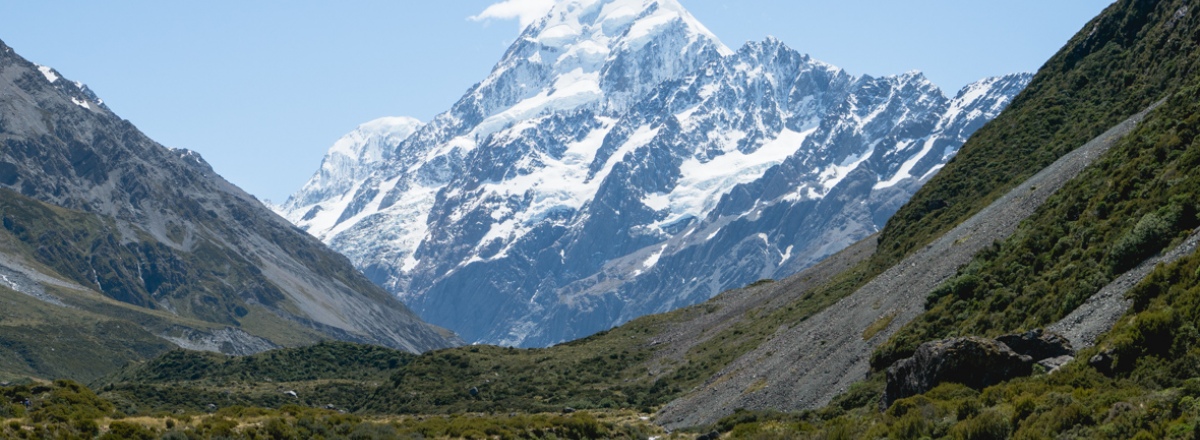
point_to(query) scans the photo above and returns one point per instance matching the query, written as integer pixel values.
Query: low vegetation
(1148, 387)
(66, 410)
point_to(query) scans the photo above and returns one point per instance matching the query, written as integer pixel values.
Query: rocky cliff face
(620, 161)
(89, 198)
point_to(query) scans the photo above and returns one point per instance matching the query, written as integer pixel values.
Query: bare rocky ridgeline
(806, 365)
(153, 235)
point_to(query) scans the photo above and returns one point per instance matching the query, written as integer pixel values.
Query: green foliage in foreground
(68, 410)
(1151, 390)
(1075, 403)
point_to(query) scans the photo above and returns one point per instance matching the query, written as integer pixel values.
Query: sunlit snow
(48, 73)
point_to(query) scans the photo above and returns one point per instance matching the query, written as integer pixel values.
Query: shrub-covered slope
(1130, 56)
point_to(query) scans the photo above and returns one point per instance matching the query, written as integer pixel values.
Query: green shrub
(1146, 238)
(128, 431)
(988, 425)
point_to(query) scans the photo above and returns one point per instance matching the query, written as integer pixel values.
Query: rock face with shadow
(973, 361)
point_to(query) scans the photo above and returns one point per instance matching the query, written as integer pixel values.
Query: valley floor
(65, 409)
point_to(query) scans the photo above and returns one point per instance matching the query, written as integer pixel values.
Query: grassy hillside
(44, 340)
(1132, 55)
(1133, 203)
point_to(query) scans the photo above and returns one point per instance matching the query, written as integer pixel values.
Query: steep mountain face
(620, 161)
(95, 211)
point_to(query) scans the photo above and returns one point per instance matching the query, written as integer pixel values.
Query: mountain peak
(364, 143)
(589, 54)
(629, 23)
(613, 140)
(352, 157)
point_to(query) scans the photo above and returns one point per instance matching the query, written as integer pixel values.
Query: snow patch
(786, 254)
(931, 172)
(48, 73)
(653, 260)
(702, 184)
(559, 35)
(657, 202)
(906, 168)
(571, 90)
(834, 175)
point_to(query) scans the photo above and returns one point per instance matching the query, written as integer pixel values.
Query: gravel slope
(810, 363)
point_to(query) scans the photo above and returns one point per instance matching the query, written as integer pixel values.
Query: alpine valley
(1043, 284)
(620, 161)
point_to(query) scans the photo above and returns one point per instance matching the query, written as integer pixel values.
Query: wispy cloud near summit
(524, 11)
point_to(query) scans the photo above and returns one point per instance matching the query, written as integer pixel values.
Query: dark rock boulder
(1054, 363)
(1103, 362)
(972, 361)
(1038, 344)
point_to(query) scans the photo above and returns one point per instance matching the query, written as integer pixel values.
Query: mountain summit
(620, 160)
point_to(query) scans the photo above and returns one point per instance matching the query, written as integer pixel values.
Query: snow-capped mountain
(620, 160)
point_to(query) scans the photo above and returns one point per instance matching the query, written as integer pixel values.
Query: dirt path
(807, 365)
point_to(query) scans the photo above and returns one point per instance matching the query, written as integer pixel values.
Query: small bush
(128, 431)
(988, 425)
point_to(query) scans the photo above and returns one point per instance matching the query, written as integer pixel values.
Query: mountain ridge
(553, 209)
(547, 204)
(91, 200)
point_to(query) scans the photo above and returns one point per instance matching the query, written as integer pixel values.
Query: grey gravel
(805, 366)
(229, 340)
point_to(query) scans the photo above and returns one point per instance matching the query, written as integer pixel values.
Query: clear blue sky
(262, 88)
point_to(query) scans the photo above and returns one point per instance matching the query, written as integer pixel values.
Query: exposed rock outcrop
(972, 361)
(975, 362)
(1038, 344)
